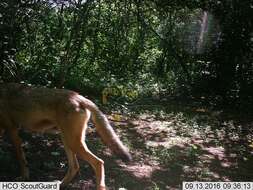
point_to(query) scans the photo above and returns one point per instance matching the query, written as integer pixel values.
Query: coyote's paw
(102, 188)
(24, 176)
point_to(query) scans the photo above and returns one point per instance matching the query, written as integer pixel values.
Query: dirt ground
(170, 144)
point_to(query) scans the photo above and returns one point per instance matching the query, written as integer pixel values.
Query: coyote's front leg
(1, 132)
(17, 142)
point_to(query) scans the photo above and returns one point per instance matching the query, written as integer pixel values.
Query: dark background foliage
(180, 48)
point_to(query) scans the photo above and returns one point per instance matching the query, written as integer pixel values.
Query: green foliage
(156, 46)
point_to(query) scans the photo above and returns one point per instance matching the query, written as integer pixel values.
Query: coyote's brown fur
(46, 110)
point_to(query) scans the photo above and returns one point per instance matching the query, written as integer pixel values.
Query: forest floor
(170, 143)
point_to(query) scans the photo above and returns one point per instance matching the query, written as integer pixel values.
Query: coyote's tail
(105, 130)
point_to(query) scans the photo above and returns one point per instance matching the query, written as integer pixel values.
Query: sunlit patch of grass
(154, 186)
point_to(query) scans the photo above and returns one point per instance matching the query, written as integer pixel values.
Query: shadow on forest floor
(170, 144)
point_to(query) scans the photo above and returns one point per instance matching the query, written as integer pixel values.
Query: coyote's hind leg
(73, 131)
(72, 164)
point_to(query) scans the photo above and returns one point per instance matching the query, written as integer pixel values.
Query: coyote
(41, 109)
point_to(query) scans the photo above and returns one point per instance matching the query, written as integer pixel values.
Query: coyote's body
(47, 110)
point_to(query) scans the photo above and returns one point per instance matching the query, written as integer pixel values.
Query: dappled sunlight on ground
(203, 147)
